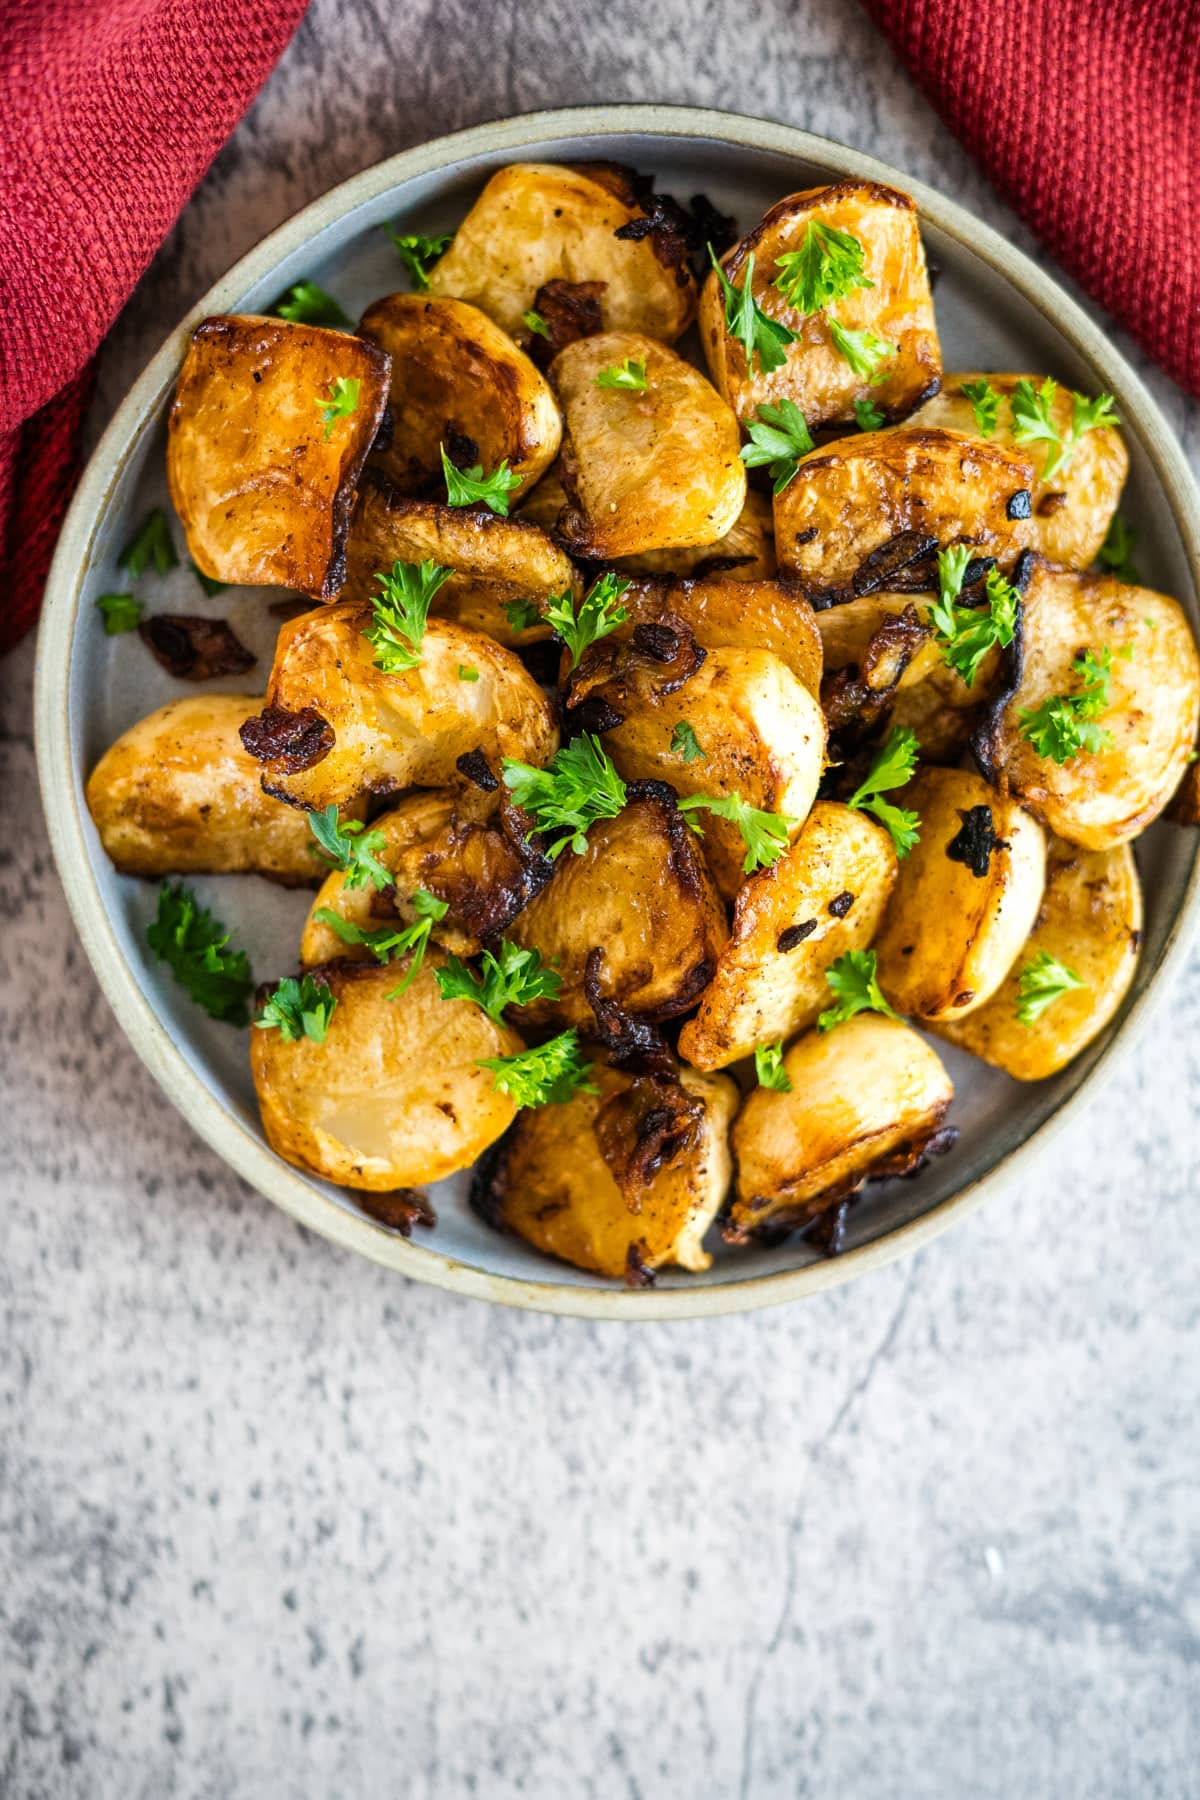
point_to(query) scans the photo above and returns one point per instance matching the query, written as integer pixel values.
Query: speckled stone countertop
(276, 1524)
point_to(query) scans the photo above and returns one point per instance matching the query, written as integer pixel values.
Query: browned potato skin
(642, 894)
(1071, 512)
(553, 1188)
(1091, 920)
(264, 495)
(394, 1096)
(177, 795)
(763, 736)
(845, 632)
(857, 494)
(403, 730)
(760, 993)
(725, 613)
(454, 372)
(949, 937)
(860, 1095)
(1107, 798)
(540, 222)
(643, 471)
(899, 307)
(495, 560)
(745, 553)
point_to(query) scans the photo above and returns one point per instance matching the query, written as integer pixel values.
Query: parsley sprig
(761, 338)
(393, 940)
(599, 612)
(1033, 422)
(515, 977)
(548, 1075)
(766, 835)
(1042, 981)
(1116, 552)
(533, 321)
(522, 615)
(779, 437)
(341, 402)
(194, 946)
(120, 612)
(471, 487)
(863, 350)
(297, 1008)
(828, 265)
(986, 404)
(855, 988)
(580, 786)
(1064, 726)
(628, 374)
(867, 415)
(418, 254)
(685, 743)
(769, 1071)
(305, 303)
(400, 613)
(892, 768)
(967, 633)
(150, 543)
(351, 848)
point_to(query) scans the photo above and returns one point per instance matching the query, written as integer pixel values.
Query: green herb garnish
(546, 1076)
(351, 848)
(986, 404)
(760, 337)
(341, 402)
(296, 1009)
(1064, 726)
(852, 981)
(629, 374)
(769, 1071)
(867, 415)
(892, 768)
(307, 304)
(779, 437)
(685, 743)
(400, 613)
(1116, 552)
(598, 613)
(580, 786)
(471, 487)
(828, 265)
(863, 350)
(522, 614)
(1033, 422)
(150, 543)
(418, 254)
(515, 977)
(765, 834)
(120, 612)
(533, 321)
(967, 633)
(1041, 982)
(193, 944)
(392, 940)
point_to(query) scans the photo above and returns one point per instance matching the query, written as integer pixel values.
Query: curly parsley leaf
(892, 768)
(522, 614)
(194, 946)
(779, 437)
(418, 254)
(685, 743)
(533, 321)
(598, 613)
(852, 981)
(1041, 982)
(351, 848)
(867, 415)
(769, 1071)
(863, 350)
(400, 613)
(392, 940)
(628, 374)
(580, 786)
(471, 487)
(1116, 552)
(765, 834)
(828, 265)
(341, 402)
(986, 403)
(306, 304)
(515, 977)
(546, 1076)
(1033, 422)
(297, 1008)
(120, 612)
(760, 337)
(1064, 726)
(150, 543)
(967, 633)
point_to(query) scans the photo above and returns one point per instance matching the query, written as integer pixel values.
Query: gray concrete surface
(276, 1524)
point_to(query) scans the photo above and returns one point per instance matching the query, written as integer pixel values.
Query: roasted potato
(1090, 920)
(261, 467)
(866, 1100)
(1103, 798)
(394, 1097)
(896, 306)
(457, 379)
(652, 469)
(965, 900)
(553, 1187)
(745, 553)
(1073, 510)
(825, 895)
(724, 612)
(641, 894)
(862, 511)
(335, 727)
(495, 561)
(760, 732)
(178, 795)
(540, 222)
(846, 632)
(442, 840)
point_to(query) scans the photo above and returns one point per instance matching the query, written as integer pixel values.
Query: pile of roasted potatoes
(680, 755)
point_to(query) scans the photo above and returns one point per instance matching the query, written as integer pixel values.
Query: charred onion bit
(633, 1044)
(795, 935)
(655, 661)
(985, 739)
(974, 844)
(643, 1129)
(638, 1274)
(195, 649)
(883, 567)
(474, 767)
(291, 740)
(400, 1210)
(569, 310)
(858, 696)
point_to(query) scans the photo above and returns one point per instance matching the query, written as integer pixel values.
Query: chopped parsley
(522, 614)
(855, 989)
(863, 350)
(779, 437)
(307, 304)
(207, 582)
(194, 946)
(533, 321)
(580, 786)
(392, 940)
(546, 1076)
(465, 674)
(986, 403)
(1116, 552)
(341, 402)
(829, 265)
(765, 834)
(400, 613)
(685, 743)
(598, 613)
(1064, 726)
(967, 633)
(471, 487)
(769, 1071)
(1033, 422)
(629, 374)
(351, 848)
(120, 612)
(418, 254)
(515, 977)
(892, 768)
(1042, 981)
(296, 1009)
(760, 337)
(150, 543)
(867, 415)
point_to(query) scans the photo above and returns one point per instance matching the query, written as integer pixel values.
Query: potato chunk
(335, 727)
(641, 894)
(863, 509)
(966, 896)
(261, 469)
(723, 612)
(898, 307)
(1073, 510)
(825, 895)
(553, 1187)
(178, 795)
(456, 376)
(745, 553)
(865, 1101)
(761, 734)
(540, 222)
(643, 470)
(394, 1097)
(495, 561)
(1103, 798)
(1090, 920)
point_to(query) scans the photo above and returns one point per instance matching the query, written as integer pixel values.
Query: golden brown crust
(723, 612)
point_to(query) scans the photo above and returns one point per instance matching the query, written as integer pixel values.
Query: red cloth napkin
(113, 110)
(1085, 114)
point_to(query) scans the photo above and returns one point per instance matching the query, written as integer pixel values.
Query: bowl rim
(230, 1136)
